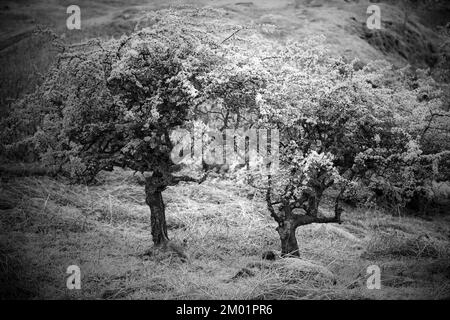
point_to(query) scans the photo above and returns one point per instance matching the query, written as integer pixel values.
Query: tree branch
(177, 179)
(270, 204)
(229, 37)
(302, 220)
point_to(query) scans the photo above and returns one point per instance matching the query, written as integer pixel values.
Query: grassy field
(224, 228)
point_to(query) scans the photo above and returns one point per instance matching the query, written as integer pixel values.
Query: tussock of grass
(401, 245)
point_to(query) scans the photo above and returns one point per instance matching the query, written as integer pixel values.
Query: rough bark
(313, 204)
(289, 245)
(288, 221)
(153, 198)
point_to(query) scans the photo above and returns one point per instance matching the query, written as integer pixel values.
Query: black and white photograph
(243, 151)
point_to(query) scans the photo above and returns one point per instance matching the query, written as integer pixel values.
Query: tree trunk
(289, 245)
(153, 198)
(313, 203)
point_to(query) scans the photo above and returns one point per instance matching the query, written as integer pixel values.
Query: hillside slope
(25, 57)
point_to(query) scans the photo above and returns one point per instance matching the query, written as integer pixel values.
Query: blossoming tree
(339, 125)
(108, 104)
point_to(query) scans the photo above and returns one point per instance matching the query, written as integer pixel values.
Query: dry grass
(104, 229)
(401, 245)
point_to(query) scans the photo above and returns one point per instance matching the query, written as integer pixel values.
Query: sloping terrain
(25, 56)
(342, 22)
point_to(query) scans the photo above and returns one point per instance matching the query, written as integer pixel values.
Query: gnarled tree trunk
(288, 221)
(153, 198)
(289, 245)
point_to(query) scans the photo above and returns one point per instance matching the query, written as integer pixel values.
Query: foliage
(340, 125)
(114, 103)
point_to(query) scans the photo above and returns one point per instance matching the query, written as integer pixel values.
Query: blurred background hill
(409, 31)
